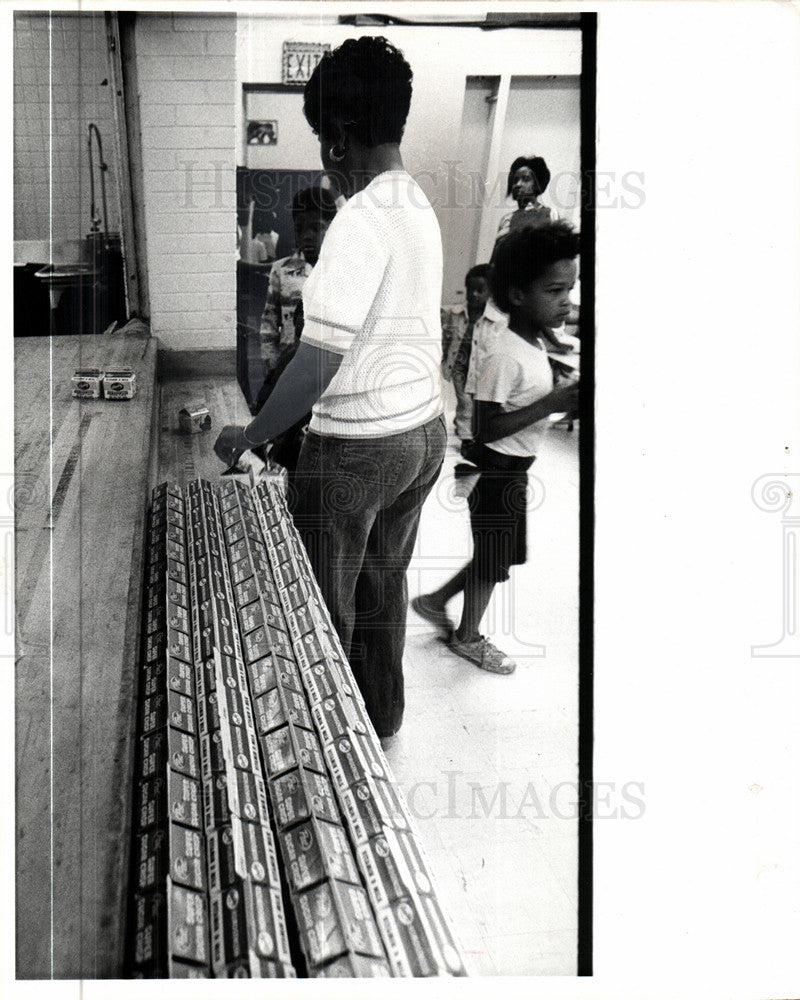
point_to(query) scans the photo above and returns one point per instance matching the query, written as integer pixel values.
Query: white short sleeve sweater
(374, 298)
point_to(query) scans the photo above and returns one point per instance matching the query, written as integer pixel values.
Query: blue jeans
(356, 504)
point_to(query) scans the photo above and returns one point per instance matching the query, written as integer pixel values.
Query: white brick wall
(186, 68)
(51, 163)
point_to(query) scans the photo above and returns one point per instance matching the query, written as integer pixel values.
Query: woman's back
(374, 297)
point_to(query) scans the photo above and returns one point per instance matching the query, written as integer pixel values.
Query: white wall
(297, 147)
(188, 102)
(442, 59)
(543, 119)
(60, 63)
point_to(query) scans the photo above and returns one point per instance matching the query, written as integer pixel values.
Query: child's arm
(448, 332)
(491, 423)
(443, 316)
(449, 329)
(271, 318)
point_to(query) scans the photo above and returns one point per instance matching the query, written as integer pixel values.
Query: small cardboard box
(168, 747)
(278, 706)
(289, 747)
(299, 794)
(247, 918)
(234, 793)
(87, 383)
(165, 674)
(171, 797)
(288, 674)
(194, 417)
(119, 384)
(246, 592)
(263, 676)
(419, 942)
(365, 810)
(188, 923)
(322, 682)
(316, 850)
(167, 705)
(242, 570)
(335, 717)
(170, 849)
(242, 850)
(335, 918)
(212, 757)
(349, 763)
(302, 619)
(251, 617)
(391, 872)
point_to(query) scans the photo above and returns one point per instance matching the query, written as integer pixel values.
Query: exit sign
(300, 60)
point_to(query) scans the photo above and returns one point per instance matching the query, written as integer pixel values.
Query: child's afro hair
(524, 256)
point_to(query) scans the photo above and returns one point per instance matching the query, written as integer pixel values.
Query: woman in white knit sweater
(368, 367)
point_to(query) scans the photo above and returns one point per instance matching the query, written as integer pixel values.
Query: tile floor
(489, 763)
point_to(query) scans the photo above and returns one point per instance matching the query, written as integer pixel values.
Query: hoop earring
(336, 157)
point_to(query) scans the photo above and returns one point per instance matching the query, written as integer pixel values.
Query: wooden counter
(84, 469)
(181, 457)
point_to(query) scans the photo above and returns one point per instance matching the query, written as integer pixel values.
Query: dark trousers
(356, 504)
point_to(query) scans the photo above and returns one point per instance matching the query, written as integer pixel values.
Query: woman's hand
(230, 444)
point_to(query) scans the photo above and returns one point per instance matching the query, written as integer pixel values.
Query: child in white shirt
(535, 270)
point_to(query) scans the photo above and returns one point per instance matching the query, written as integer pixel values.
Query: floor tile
(551, 953)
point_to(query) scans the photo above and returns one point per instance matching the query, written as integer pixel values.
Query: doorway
(504, 117)
(278, 156)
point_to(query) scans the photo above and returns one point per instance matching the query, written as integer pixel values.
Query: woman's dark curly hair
(524, 256)
(365, 84)
(541, 175)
